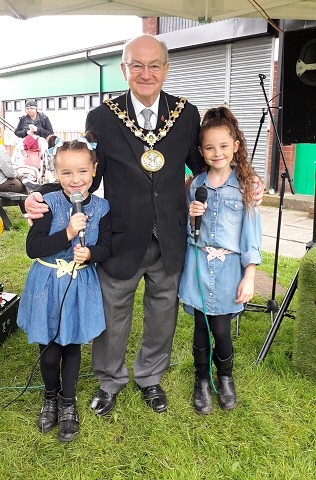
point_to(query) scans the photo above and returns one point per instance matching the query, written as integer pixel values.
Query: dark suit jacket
(135, 199)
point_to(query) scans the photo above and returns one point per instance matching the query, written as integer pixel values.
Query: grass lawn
(271, 435)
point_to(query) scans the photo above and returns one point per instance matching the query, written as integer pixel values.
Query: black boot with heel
(48, 418)
(202, 398)
(226, 387)
(68, 419)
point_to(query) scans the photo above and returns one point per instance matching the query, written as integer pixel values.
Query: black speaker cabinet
(299, 87)
(8, 314)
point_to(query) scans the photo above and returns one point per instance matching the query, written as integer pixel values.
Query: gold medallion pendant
(152, 160)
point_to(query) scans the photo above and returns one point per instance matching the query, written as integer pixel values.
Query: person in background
(33, 123)
(219, 272)
(61, 306)
(145, 137)
(9, 181)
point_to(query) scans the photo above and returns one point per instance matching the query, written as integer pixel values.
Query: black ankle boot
(49, 414)
(202, 398)
(226, 387)
(68, 419)
(226, 393)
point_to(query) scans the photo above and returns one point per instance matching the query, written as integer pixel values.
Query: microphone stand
(287, 299)
(262, 119)
(272, 305)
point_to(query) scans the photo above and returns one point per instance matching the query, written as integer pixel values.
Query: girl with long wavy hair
(218, 277)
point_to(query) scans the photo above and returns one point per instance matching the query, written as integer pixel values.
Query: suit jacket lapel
(163, 114)
(136, 145)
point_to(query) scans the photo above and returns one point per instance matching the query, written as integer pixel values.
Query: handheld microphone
(200, 196)
(76, 199)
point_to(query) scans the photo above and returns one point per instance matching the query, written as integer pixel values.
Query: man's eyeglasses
(30, 108)
(137, 67)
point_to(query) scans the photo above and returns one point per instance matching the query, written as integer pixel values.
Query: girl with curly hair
(224, 241)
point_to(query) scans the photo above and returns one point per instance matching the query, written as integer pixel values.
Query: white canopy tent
(203, 10)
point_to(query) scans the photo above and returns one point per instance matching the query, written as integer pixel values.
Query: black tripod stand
(287, 299)
(272, 305)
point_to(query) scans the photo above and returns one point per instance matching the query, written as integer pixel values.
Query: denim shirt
(211, 285)
(226, 222)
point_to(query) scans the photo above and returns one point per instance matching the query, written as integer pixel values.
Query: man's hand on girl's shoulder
(258, 190)
(35, 206)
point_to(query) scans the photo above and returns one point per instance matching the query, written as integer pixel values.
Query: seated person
(9, 178)
(33, 162)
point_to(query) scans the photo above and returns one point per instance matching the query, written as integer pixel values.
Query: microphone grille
(201, 194)
(76, 197)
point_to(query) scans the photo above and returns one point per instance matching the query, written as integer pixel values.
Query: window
(8, 106)
(79, 101)
(17, 105)
(94, 101)
(50, 104)
(63, 103)
(115, 94)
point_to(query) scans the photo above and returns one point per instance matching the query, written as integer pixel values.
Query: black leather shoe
(155, 397)
(103, 402)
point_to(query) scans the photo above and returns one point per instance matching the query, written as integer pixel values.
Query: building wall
(73, 78)
(155, 26)
(151, 25)
(65, 93)
(173, 24)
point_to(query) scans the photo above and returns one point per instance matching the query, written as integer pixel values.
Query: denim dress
(210, 282)
(82, 317)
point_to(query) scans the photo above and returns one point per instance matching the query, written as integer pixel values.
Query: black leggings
(65, 360)
(220, 326)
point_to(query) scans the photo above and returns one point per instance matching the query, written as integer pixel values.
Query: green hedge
(304, 342)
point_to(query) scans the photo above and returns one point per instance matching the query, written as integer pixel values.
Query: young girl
(61, 306)
(219, 272)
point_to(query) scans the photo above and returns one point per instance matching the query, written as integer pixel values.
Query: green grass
(271, 435)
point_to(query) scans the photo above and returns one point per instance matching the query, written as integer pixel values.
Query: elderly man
(33, 122)
(145, 137)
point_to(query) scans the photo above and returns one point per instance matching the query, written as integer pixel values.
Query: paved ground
(295, 233)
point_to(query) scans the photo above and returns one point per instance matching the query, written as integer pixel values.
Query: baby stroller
(33, 163)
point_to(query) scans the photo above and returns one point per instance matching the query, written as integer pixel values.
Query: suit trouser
(160, 317)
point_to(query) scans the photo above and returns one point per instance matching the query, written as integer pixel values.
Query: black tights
(61, 359)
(220, 326)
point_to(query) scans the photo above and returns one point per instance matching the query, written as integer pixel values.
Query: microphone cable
(47, 346)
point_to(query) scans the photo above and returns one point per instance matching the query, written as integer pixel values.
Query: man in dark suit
(149, 216)
(142, 157)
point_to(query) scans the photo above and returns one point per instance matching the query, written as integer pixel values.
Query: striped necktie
(147, 113)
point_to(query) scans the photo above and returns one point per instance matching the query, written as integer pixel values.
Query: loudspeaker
(299, 87)
(8, 314)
